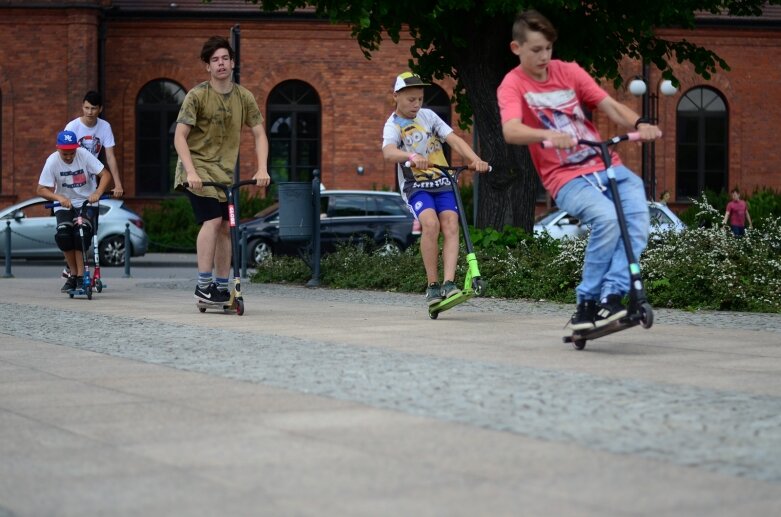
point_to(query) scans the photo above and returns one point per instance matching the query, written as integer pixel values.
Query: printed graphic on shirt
(417, 140)
(73, 179)
(560, 111)
(92, 144)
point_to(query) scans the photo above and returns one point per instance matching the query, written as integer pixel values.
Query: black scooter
(639, 311)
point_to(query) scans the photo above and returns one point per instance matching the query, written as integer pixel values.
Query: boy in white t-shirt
(415, 134)
(68, 177)
(95, 135)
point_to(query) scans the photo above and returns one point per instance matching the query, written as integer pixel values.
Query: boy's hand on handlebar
(94, 197)
(559, 140)
(64, 202)
(194, 181)
(479, 166)
(648, 132)
(262, 178)
(418, 161)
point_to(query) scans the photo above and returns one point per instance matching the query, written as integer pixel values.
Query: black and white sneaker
(70, 284)
(610, 309)
(433, 293)
(211, 294)
(583, 319)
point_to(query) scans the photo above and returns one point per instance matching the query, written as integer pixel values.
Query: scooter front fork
(472, 281)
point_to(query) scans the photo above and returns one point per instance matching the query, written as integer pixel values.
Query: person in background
(737, 214)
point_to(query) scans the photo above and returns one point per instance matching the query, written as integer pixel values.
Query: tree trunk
(507, 194)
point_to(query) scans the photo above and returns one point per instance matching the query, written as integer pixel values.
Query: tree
(469, 41)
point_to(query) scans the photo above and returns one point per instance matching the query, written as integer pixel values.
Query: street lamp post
(637, 87)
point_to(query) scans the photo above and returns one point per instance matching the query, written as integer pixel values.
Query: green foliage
(700, 268)
(709, 208)
(171, 225)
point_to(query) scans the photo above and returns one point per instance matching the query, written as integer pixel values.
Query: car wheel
(388, 248)
(112, 251)
(259, 251)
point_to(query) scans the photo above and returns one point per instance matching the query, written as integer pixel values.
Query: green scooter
(474, 285)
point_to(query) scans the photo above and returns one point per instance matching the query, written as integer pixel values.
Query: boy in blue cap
(68, 177)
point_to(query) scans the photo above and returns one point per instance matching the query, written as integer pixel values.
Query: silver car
(559, 224)
(32, 227)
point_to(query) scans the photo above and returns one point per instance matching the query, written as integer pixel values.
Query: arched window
(701, 147)
(293, 126)
(157, 107)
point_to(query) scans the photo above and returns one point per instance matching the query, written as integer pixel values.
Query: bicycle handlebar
(631, 137)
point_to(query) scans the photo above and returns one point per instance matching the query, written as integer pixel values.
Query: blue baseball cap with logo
(67, 140)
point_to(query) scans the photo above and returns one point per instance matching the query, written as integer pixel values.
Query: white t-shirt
(422, 135)
(76, 180)
(93, 139)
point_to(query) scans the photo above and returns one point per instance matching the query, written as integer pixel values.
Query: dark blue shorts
(437, 201)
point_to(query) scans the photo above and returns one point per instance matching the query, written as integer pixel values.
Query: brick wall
(51, 60)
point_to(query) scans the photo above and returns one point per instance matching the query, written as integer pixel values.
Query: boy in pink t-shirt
(737, 214)
(544, 99)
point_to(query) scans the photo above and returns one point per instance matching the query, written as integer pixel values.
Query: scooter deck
(611, 328)
(449, 303)
(235, 306)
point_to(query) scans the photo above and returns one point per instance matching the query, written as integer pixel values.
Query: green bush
(171, 225)
(700, 268)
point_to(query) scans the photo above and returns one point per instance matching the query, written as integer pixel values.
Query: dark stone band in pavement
(731, 433)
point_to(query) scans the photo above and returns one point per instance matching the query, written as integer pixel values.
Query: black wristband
(642, 120)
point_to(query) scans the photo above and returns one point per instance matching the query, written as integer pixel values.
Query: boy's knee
(64, 237)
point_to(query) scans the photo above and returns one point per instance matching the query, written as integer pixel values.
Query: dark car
(380, 220)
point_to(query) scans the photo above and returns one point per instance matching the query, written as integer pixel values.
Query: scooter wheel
(239, 307)
(99, 285)
(646, 315)
(579, 344)
(433, 315)
(89, 293)
(70, 294)
(478, 284)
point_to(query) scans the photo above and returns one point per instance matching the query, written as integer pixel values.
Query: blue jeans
(606, 270)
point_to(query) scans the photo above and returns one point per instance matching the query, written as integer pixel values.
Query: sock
(204, 279)
(222, 284)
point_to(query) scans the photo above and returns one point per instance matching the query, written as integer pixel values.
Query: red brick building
(325, 103)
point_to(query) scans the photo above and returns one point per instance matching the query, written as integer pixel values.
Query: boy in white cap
(68, 178)
(415, 134)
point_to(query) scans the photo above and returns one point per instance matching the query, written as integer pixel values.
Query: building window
(701, 147)
(293, 127)
(157, 108)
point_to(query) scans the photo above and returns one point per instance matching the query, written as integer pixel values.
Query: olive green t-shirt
(216, 120)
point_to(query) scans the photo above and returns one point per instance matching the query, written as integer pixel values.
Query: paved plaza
(353, 403)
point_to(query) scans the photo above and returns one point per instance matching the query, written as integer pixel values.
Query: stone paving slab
(320, 402)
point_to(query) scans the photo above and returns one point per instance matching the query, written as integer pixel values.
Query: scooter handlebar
(55, 204)
(223, 186)
(631, 137)
(410, 164)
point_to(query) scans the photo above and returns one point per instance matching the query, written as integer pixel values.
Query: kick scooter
(235, 303)
(639, 311)
(473, 283)
(88, 282)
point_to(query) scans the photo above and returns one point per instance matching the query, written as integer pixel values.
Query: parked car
(380, 220)
(33, 227)
(559, 224)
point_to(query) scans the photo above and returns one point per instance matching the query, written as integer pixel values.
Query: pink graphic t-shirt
(557, 104)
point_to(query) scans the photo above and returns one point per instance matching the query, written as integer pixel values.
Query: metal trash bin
(295, 210)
